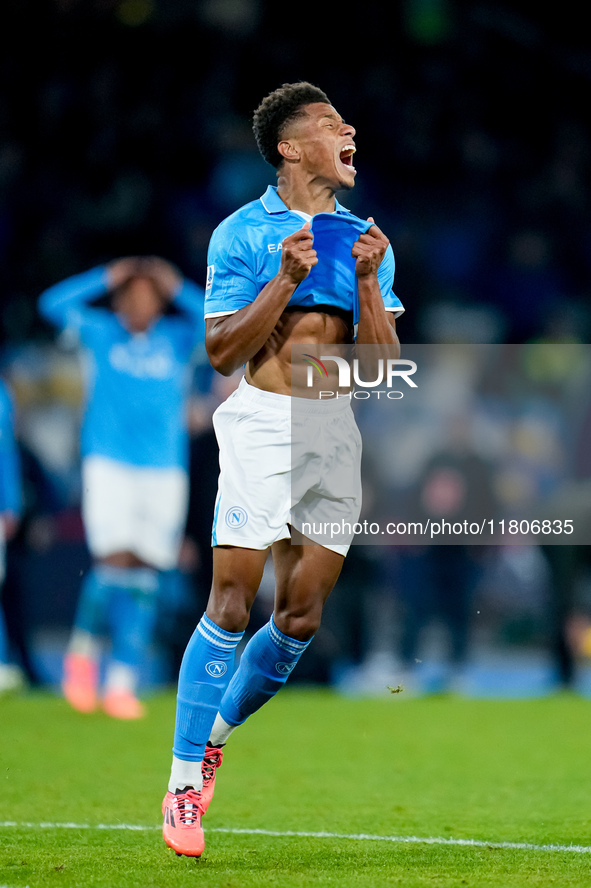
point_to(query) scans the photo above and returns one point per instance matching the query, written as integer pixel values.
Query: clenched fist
(298, 255)
(369, 250)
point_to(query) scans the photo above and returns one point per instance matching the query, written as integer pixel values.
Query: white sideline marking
(355, 837)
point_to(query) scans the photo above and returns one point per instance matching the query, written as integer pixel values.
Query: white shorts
(134, 509)
(285, 461)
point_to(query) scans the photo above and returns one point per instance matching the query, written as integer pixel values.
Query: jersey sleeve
(231, 276)
(386, 280)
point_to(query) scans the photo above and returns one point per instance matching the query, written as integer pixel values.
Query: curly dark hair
(282, 105)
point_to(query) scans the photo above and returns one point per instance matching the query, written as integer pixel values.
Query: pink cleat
(80, 681)
(211, 762)
(182, 829)
(123, 704)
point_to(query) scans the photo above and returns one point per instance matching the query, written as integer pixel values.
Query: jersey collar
(273, 203)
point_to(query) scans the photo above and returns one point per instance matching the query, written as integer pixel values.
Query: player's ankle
(185, 774)
(220, 732)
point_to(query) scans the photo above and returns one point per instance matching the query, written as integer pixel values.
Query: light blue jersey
(245, 254)
(10, 477)
(137, 383)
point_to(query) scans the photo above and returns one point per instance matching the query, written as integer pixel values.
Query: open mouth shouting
(346, 156)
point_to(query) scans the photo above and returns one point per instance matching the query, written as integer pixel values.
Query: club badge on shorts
(236, 517)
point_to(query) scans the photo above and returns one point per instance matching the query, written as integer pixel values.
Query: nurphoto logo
(384, 372)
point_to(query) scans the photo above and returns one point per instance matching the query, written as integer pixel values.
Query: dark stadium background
(125, 129)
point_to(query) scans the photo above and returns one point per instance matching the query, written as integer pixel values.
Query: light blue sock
(205, 672)
(267, 661)
(91, 610)
(132, 608)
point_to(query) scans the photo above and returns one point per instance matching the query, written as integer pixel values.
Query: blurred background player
(139, 322)
(10, 508)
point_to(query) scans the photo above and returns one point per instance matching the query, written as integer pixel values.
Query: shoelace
(188, 806)
(212, 761)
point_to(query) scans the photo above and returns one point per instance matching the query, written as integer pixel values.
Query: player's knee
(301, 624)
(229, 609)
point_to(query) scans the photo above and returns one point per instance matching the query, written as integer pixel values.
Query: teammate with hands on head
(138, 321)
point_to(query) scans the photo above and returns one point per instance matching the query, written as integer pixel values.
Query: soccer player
(139, 322)
(10, 509)
(255, 309)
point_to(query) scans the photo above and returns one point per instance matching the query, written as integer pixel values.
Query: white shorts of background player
(134, 509)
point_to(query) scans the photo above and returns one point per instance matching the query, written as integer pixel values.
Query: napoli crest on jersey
(284, 668)
(236, 517)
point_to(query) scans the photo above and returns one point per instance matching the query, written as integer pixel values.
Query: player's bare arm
(376, 325)
(232, 340)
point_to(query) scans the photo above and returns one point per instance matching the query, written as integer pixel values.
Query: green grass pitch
(502, 772)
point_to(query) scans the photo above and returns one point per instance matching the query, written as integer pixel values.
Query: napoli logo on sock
(236, 517)
(284, 668)
(216, 668)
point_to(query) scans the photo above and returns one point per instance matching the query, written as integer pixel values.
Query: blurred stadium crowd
(125, 130)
